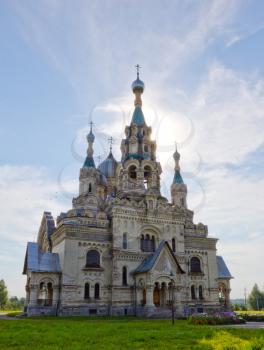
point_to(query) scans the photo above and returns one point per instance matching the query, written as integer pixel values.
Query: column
(33, 295)
(149, 295)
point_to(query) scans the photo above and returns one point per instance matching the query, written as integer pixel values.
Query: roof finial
(91, 125)
(111, 141)
(138, 68)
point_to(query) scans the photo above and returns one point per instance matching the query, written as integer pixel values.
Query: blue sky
(63, 63)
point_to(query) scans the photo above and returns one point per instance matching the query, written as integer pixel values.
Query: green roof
(89, 163)
(177, 178)
(138, 116)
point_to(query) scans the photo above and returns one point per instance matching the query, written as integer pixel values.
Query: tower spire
(89, 161)
(177, 174)
(178, 187)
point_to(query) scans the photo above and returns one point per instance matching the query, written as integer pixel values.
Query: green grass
(122, 333)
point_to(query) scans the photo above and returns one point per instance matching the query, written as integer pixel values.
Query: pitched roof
(38, 261)
(149, 262)
(223, 271)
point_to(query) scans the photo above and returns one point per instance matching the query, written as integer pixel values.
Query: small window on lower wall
(92, 311)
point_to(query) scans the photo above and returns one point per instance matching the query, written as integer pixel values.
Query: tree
(3, 294)
(256, 298)
(15, 303)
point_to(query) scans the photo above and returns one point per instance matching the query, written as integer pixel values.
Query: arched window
(147, 175)
(148, 244)
(153, 244)
(124, 276)
(200, 292)
(173, 244)
(86, 291)
(90, 188)
(124, 241)
(142, 245)
(195, 265)
(182, 202)
(93, 259)
(96, 291)
(193, 292)
(132, 171)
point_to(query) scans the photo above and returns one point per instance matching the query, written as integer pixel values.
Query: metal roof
(177, 177)
(138, 116)
(149, 262)
(38, 261)
(108, 166)
(89, 162)
(223, 271)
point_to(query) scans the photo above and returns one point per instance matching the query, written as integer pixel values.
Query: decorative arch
(45, 291)
(195, 264)
(223, 293)
(93, 258)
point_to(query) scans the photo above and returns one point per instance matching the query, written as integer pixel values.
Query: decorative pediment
(162, 261)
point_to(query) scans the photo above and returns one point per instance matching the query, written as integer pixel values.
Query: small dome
(176, 155)
(108, 166)
(138, 85)
(90, 137)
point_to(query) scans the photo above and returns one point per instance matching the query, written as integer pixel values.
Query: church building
(123, 248)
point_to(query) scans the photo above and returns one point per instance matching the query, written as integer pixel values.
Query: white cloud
(25, 193)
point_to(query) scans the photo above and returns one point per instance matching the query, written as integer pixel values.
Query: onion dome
(108, 166)
(138, 85)
(90, 137)
(176, 156)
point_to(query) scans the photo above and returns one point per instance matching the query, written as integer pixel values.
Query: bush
(215, 320)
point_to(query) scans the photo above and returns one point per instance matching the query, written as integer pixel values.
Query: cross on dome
(138, 68)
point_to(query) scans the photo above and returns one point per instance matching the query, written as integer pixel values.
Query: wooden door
(156, 297)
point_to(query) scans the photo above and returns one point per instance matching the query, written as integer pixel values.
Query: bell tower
(139, 169)
(178, 187)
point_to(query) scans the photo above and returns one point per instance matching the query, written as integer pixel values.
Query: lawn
(122, 333)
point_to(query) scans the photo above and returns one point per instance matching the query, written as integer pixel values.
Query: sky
(65, 63)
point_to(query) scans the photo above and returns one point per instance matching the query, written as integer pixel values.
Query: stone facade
(124, 248)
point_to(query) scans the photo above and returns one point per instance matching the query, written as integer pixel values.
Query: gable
(162, 259)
